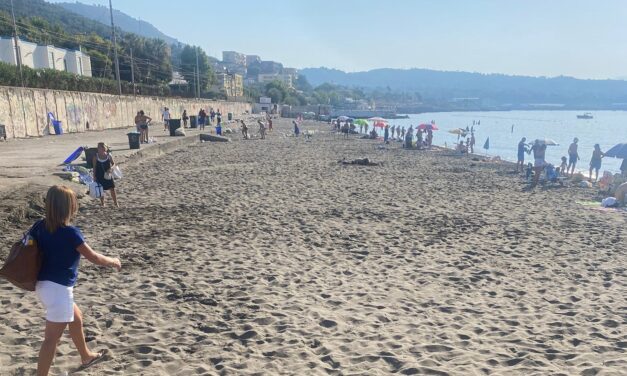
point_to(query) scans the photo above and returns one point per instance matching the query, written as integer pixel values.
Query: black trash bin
(90, 153)
(3, 131)
(229, 116)
(193, 121)
(133, 140)
(174, 124)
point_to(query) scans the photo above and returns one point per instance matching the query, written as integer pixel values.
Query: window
(51, 60)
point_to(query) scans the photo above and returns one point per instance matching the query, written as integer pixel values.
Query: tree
(188, 68)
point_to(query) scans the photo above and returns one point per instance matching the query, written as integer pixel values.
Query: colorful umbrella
(361, 122)
(379, 124)
(377, 119)
(617, 151)
(425, 126)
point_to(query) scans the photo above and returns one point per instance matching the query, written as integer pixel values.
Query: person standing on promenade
(595, 161)
(184, 117)
(143, 126)
(212, 115)
(539, 151)
(573, 156)
(165, 116)
(103, 163)
(219, 117)
(61, 246)
(522, 149)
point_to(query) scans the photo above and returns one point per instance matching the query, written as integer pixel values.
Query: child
(563, 166)
(61, 246)
(103, 163)
(529, 171)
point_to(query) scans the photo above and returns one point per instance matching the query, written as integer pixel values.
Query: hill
(490, 89)
(125, 22)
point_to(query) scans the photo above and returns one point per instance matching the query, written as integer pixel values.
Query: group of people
(567, 166)
(203, 118)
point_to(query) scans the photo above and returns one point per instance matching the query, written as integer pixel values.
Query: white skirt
(58, 300)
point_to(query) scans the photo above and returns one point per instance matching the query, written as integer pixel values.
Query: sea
(506, 128)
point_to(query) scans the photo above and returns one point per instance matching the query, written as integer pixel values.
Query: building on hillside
(270, 67)
(45, 57)
(252, 59)
(287, 79)
(231, 83)
(232, 57)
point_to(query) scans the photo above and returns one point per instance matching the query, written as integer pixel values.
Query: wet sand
(270, 257)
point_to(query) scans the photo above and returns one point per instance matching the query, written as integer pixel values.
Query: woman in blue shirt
(61, 246)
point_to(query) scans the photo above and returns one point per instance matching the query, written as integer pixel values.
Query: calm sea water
(606, 129)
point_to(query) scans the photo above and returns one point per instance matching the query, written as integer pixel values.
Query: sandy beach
(270, 257)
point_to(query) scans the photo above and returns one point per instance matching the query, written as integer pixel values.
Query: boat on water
(586, 115)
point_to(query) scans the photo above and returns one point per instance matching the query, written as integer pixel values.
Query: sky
(583, 39)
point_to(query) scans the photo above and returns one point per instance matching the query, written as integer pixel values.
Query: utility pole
(115, 50)
(18, 55)
(132, 72)
(197, 76)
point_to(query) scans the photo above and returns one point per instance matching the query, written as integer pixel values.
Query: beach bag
(609, 202)
(95, 190)
(22, 266)
(116, 172)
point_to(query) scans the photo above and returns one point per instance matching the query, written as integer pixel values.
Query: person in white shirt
(165, 115)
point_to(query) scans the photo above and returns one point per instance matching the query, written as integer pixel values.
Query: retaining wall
(24, 111)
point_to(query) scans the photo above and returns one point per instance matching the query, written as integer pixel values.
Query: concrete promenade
(34, 160)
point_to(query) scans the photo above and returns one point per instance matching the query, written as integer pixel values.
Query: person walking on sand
(539, 150)
(165, 116)
(143, 126)
(472, 142)
(296, 129)
(262, 129)
(392, 129)
(522, 149)
(103, 163)
(244, 130)
(61, 246)
(573, 156)
(386, 134)
(429, 137)
(595, 161)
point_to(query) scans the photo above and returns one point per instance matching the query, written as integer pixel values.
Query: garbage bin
(229, 116)
(3, 132)
(58, 129)
(133, 140)
(90, 153)
(219, 130)
(193, 121)
(174, 124)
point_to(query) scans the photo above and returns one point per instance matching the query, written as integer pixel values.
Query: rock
(179, 132)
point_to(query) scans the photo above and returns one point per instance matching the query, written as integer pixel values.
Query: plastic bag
(95, 190)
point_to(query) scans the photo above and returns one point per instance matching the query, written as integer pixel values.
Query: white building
(45, 57)
(287, 79)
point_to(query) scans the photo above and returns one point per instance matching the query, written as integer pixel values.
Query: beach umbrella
(377, 119)
(486, 145)
(343, 118)
(380, 124)
(617, 151)
(546, 141)
(457, 131)
(361, 122)
(426, 126)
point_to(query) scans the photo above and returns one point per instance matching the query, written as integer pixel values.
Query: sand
(269, 257)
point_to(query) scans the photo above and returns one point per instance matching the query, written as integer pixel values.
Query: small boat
(587, 115)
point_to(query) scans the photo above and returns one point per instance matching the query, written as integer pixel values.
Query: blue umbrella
(618, 151)
(487, 144)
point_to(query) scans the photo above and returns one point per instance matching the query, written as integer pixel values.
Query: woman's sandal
(100, 356)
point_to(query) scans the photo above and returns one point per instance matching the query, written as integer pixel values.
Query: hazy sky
(585, 39)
